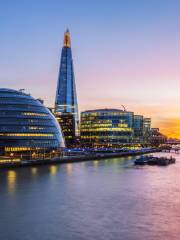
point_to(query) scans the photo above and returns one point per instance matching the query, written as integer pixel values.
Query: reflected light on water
(11, 181)
(115, 161)
(91, 200)
(34, 171)
(69, 168)
(53, 170)
(95, 164)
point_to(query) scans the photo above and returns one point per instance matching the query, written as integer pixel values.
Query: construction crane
(124, 108)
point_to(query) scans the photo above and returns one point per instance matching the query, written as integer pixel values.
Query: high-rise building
(146, 129)
(146, 124)
(106, 128)
(156, 138)
(66, 108)
(138, 128)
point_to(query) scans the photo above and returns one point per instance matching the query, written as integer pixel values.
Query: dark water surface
(105, 200)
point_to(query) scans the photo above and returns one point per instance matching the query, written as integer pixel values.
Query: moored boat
(142, 160)
(150, 160)
(172, 160)
(163, 161)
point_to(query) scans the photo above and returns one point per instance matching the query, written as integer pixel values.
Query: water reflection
(90, 200)
(95, 164)
(115, 161)
(69, 168)
(53, 170)
(11, 181)
(34, 171)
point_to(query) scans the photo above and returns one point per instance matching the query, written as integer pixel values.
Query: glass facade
(66, 108)
(157, 138)
(138, 128)
(147, 124)
(106, 127)
(25, 124)
(146, 129)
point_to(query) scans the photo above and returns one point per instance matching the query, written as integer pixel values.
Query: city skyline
(130, 59)
(66, 106)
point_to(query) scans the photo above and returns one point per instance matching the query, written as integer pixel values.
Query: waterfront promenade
(71, 157)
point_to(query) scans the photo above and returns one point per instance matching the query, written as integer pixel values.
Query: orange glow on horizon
(165, 117)
(170, 128)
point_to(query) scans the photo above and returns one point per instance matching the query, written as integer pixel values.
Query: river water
(99, 200)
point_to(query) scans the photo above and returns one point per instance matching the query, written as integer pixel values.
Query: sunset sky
(125, 52)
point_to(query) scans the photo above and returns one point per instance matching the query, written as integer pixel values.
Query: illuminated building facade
(146, 129)
(26, 125)
(106, 127)
(66, 108)
(146, 124)
(138, 128)
(157, 138)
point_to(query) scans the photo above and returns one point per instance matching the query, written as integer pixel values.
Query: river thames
(109, 199)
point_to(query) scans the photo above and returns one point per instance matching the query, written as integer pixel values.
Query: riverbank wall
(74, 158)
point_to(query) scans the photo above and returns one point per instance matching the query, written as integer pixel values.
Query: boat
(152, 161)
(142, 160)
(172, 160)
(163, 161)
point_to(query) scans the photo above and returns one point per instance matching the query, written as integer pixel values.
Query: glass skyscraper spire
(66, 108)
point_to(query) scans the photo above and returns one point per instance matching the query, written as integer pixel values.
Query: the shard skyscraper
(66, 108)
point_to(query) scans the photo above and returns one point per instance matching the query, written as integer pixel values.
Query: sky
(125, 52)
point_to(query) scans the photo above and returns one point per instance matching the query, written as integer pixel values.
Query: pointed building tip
(67, 39)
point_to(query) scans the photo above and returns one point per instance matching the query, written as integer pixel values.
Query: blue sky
(125, 52)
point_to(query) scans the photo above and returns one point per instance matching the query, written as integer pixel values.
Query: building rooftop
(105, 110)
(8, 90)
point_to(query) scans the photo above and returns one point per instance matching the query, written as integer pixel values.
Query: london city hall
(26, 124)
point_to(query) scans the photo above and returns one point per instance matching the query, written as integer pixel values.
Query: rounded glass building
(26, 124)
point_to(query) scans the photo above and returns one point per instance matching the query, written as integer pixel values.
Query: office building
(146, 129)
(138, 128)
(66, 108)
(156, 138)
(106, 128)
(26, 124)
